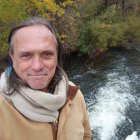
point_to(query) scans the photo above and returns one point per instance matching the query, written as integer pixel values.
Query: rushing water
(111, 87)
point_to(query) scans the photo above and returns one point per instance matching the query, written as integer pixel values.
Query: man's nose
(37, 63)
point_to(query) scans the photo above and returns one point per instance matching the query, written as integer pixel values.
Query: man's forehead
(37, 28)
(32, 32)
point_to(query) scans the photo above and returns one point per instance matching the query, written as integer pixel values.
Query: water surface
(111, 87)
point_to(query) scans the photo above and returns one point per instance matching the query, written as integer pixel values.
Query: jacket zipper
(54, 126)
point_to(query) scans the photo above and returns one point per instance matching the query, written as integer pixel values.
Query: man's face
(34, 56)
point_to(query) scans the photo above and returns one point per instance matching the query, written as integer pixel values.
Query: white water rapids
(109, 110)
(111, 87)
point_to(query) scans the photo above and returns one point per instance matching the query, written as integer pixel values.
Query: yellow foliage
(62, 16)
(67, 3)
(63, 37)
(45, 6)
(12, 11)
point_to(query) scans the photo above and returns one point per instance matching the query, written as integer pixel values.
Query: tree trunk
(106, 3)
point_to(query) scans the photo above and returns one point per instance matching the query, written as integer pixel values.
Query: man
(37, 101)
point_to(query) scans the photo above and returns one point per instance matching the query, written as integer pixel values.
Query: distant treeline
(87, 26)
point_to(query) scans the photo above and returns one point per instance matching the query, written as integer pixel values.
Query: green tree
(108, 24)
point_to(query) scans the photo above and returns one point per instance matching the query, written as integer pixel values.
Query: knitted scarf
(37, 105)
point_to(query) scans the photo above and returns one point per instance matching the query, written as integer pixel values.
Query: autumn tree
(13, 11)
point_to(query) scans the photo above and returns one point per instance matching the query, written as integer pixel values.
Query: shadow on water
(111, 87)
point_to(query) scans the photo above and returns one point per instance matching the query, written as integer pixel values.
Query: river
(111, 87)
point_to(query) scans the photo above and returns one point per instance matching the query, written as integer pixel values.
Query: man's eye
(47, 55)
(25, 56)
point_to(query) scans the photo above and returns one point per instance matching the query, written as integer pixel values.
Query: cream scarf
(37, 105)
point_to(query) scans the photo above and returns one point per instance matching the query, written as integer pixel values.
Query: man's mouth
(37, 75)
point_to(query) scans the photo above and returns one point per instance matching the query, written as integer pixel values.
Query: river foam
(108, 112)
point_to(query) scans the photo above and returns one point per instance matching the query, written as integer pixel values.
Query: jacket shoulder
(73, 91)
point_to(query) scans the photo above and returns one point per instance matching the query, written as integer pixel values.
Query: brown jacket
(73, 122)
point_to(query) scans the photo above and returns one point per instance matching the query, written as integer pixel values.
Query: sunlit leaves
(13, 11)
